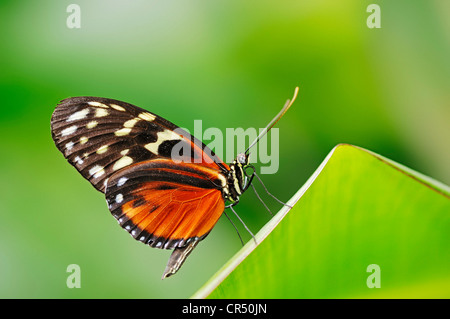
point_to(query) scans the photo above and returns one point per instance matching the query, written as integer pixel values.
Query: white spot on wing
(166, 135)
(118, 107)
(99, 173)
(83, 140)
(69, 146)
(98, 104)
(122, 162)
(102, 149)
(153, 147)
(78, 115)
(119, 198)
(124, 152)
(101, 113)
(121, 181)
(122, 131)
(78, 160)
(131, 123)
(69, 130)
(92, 124)
(96, 171)
(147, 116)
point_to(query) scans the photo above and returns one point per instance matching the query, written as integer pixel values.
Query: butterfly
(163, 185)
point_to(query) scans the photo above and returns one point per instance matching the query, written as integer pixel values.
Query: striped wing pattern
(100, 136)
(163, 199)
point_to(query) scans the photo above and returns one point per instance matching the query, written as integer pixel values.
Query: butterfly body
(165, 187)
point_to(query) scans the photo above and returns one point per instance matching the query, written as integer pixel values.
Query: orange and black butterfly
(164, 186)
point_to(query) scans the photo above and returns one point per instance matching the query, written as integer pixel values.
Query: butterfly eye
(242, 159)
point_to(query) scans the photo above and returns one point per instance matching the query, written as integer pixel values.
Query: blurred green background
(228, 63)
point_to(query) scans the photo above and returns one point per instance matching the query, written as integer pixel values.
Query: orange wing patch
(174, 216)
(166, 205)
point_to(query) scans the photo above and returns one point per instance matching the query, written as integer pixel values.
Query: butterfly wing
(100, 136)
(164, 204)
(162, 198)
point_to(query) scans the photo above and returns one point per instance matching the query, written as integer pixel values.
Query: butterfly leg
(249, 183)
(231, 207)
(260, 199)
(237, 231)
(265, 188)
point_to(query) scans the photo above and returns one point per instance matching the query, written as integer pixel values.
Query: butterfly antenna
(237, 231)
(260, 199)
(231, 207)
(274, 121)
(267, 191)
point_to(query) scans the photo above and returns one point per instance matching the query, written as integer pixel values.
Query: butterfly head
(243, 159)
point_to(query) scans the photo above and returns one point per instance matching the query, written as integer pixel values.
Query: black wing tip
(61, 109)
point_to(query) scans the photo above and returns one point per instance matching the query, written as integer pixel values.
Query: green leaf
(356, 210)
